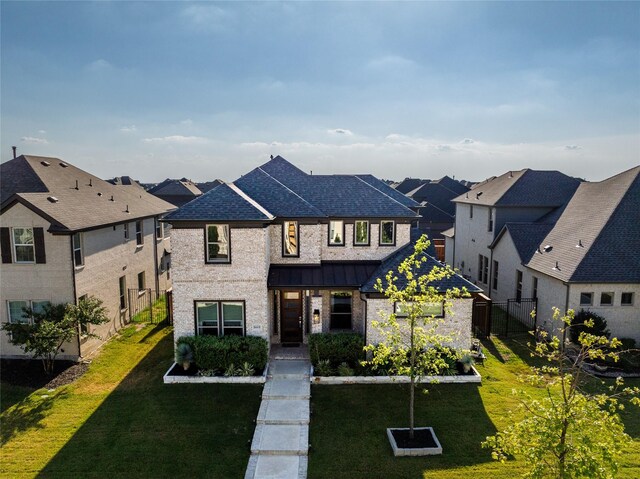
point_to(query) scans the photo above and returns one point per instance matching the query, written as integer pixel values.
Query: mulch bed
(30, 373)
(421, 438)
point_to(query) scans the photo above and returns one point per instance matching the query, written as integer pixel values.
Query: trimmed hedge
(336, 347)
(217, 353)
(577, 325)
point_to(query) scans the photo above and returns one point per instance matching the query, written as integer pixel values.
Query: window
(290, 238)
(388, 233)
(122, 283)
(470, 211)
(220, 318)
(340, 310)
(428, 309)
(139, 234)
(626, 299)
(518, 285)
(78, 257)
(534, 288)
(586, 299)
(159, 229)
(495, 274)
(218, 244)
(490, 226)
(483, 269)
(336, 233)
(141, 280)
(126, 231)
(361, 233)
(606, 299)
(24, 249)
(17, 315)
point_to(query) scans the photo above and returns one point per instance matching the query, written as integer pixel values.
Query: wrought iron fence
(513, 317)
(149, 306)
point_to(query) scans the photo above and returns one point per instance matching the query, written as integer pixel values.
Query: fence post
(535, 318)
(150, 305)
(506, 325)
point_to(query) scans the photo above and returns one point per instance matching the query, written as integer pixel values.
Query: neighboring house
(176, 192)
(66, 234)
(208, 185)
(125, 181)
(583, 256)
(281, 254)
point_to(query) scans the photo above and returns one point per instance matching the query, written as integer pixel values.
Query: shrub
(218, 353)
(578, 325)
(345, 370)
(323, 368)
(336, 347)
(441, 360)
(627, 343)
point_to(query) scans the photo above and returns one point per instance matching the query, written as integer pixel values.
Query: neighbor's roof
(437, 195)
(171, 187)
(526, 187)
(392, 262)
(208, 185)
(450, 233)
(597, 237)
(409, 184)
(526, 237)
(48, 186)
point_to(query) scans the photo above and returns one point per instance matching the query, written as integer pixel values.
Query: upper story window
(490, 225)
(290, 239)
(78, 256)
(626, 299)
(606, 299)
(361, 233)
(220, 318)
(586, 299)
(24, 249)
(126, 231)
(218, 250)
(159, 229)
(336, 233)
(388, 233)
(139, 233)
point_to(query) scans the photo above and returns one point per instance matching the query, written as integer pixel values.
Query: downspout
(155, 254)
(366, 316)
(75, 290)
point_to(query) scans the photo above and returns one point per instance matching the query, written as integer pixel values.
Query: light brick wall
(310, 237)
(358, 311)
(456, 323)
(348, 252)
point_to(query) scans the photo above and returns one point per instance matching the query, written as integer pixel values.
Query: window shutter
(38, 239)
(5, 245)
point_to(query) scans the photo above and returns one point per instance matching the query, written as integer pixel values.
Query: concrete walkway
(281, 440)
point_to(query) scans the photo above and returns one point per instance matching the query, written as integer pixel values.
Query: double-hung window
(336, 233)
(78, 256)
(290, 239)
(126, 231)
(361, 233)
(483, 269)
(490, 225)
(159, 230)
(142, 284)
(139, 233)
(122, 288)
(340, 310)
(220, 318)
(388, 233)
(24, 249)
(16, 309)
(218, 250)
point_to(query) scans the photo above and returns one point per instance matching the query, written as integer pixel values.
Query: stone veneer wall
(457, 322)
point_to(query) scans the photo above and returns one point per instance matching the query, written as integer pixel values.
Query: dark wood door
(291, 316)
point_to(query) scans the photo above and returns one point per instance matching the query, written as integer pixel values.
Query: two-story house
(280, 254)
(66, 234)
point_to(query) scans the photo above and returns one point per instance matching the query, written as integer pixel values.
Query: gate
(481, 316)
(513, 317)
(149, 306)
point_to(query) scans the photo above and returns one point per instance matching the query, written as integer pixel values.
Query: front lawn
(348, 425)
(120, 420)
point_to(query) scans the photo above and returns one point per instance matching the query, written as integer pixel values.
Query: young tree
(47, 331)
(574, 430)
(412, 343)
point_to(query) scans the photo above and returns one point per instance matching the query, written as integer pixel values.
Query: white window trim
(80, 248)
(14, 245)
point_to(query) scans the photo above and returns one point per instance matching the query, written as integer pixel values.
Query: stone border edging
(333, 380)
(214, 379)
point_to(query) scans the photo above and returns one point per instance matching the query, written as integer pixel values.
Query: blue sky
(210, 90)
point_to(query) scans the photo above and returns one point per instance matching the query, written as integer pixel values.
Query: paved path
(281, 440)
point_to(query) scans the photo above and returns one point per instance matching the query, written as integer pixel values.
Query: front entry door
(291, 316)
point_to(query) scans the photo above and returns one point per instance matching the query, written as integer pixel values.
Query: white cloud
(207, 18)
(128, 129)
(100, 65)
(467, 141)
(32, 139)
(176, 139)
(443, 147)
(572, 147)
(187, 122)
(340, 131)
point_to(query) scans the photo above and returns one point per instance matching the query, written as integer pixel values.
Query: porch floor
(294, 352)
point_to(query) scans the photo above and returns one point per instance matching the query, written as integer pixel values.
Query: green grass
(348, 425)
(159, 312)
(120, 420)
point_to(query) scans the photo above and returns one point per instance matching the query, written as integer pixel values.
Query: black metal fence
(149, 306)
(512, 317)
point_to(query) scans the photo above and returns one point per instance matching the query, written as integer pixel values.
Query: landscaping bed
(472, 377)
(30, 373)
(176, 374)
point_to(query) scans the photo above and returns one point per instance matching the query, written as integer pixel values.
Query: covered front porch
(317, 298)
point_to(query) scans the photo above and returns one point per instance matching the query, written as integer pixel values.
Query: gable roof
(452, 185)
(436, 195)
(597, 237)
(385, 188)
(170, 187)
(408, 184)
(525, 188)
(392, 262)
(526, 237)
(208, 185)
(125, 181)
(70, 198)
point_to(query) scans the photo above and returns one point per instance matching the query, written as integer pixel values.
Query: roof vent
(271, 156)
(63, 164)
(99, 194)
(90, 183)
(579, 245)
(127, 210)
(511, 174)
(77, 188)
(539, 251)
(111, 199)
(478, 195)
(45, 163)
(547, 248)
(52, 199)
(556, 267)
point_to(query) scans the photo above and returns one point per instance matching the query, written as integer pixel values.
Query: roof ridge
(439, 209)
(285, 186)
(380, 191)
(250, 200)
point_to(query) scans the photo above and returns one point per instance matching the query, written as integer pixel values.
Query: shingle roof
(437, 195)
(452, 185)
(388, 190)
(526, 237)
(171, 187)
(125, 181)
(207, 185)
(523, 188)
(392, 262)
(450, 233)
(408, 184)
(597, 237)
(34, 179)
(222, 203)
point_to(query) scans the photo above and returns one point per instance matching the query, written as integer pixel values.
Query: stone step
(286, 389)
(283, 411)
(278, 440)
(276, 467)
(289, 367)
